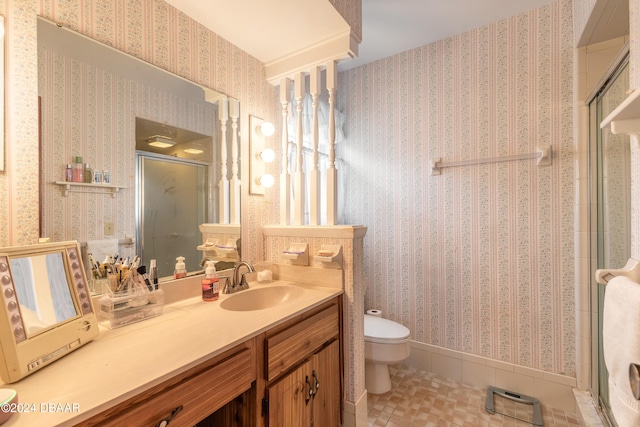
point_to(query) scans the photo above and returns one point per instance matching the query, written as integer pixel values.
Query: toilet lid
(377, 329)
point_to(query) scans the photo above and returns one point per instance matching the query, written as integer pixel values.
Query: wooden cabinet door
(326, 401)
(290, 402)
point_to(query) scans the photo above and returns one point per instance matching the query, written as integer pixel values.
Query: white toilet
(385, 342)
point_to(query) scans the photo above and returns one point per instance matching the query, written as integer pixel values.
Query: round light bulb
(267, 128)
(268, 155)
(267, 180)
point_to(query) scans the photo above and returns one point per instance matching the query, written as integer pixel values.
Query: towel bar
(542, 155)
(631, 270)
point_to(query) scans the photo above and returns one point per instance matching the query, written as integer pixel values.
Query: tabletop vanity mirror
(169, 146)
(46, 304)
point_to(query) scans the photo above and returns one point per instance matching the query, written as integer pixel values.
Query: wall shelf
(213, 248)
(297, 254)
(330, 256)
(81, 187)
(625, 119)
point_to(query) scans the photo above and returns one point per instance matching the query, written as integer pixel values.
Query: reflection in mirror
(172, 205)
(221, 244)
(93, 97)
(48, 303)
(167, 140)
(172, 169)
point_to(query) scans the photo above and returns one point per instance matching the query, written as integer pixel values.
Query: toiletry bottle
(153, 273)
(68, 173)
(88, 173)
(78, 170)
(210, 283)
(181, 270)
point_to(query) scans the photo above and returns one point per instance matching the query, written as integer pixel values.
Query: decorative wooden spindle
(314, 178)
(298, 181)
(223, 192)
(332, 173)
(285, 178)
(234, 183)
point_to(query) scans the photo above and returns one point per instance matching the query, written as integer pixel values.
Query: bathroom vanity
(201, 363)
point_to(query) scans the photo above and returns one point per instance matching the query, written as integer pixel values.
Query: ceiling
(390, 27)
(267, 29)
(270, 30)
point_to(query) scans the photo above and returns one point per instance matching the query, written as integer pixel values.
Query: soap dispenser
(210, 283)
(181, 270)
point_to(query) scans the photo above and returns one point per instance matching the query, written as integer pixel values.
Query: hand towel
(621, 346)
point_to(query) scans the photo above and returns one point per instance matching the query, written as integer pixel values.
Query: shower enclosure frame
(197, 190)
(602, 232)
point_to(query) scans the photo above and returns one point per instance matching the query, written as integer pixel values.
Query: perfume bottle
(78, 170)
(68, 173)
(88, 173)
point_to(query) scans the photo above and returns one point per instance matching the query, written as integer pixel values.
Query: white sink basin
(260, 298)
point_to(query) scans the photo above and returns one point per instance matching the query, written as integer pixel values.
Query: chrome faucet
(240, 283)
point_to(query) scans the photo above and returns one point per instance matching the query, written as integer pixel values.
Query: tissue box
(120, 309)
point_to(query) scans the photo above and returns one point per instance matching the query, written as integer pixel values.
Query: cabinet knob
(165, 422)
(315, 377)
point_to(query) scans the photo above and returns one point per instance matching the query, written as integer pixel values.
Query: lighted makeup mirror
(47, 309)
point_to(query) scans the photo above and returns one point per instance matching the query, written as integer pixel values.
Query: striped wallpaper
(581, 11)
(148, 29)
(634, 71)
(479, 259)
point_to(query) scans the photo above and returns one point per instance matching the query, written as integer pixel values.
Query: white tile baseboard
(553, 390)
(355, 414)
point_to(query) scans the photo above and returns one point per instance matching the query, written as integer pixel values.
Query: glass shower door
(610, 172)
(172, 205)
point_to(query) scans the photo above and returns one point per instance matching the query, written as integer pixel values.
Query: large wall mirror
(170, 148)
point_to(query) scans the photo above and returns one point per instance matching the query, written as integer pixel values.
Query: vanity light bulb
(267, 180)
(268, 155)
(267, 129)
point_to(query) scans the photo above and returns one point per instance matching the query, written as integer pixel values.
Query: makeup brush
(142, 270)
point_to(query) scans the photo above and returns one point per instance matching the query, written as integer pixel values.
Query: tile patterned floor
(419, 398)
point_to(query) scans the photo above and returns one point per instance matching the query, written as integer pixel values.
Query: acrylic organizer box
(122, 308)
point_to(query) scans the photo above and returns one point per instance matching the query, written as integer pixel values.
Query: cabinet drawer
(287, 348)
(199, 395)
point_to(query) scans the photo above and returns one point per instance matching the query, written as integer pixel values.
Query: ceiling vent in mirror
(193, 151)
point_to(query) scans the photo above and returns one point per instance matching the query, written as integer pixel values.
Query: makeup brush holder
(124, 308)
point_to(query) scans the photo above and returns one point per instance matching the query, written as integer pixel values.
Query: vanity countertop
(124, 362)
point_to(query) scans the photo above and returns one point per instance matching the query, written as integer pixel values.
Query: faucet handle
(226, 289)
(243, 281)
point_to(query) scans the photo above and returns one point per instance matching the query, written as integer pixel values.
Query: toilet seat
(384, 331)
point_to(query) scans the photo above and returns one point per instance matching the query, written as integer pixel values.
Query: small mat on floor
(513, 405)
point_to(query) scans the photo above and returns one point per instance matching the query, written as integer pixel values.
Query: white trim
(553, 390)
(355, 414)
(326, 231)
